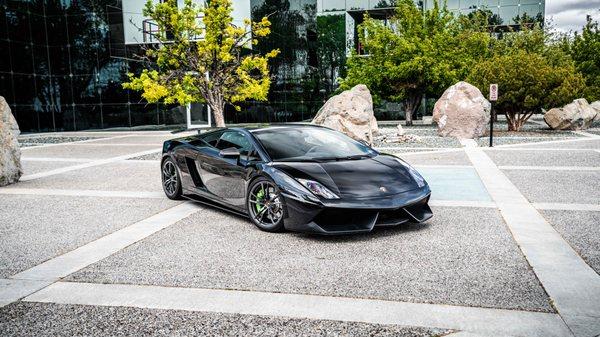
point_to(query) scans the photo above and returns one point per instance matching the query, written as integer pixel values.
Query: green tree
(331, 48)
(585, 51)
(203, 57)
(532, 73)
(415, 53)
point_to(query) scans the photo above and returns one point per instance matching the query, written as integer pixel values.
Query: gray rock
(462, 112)
(596, 106)
(10, 153)
(350, 112)
(400, 131)
(578, 115)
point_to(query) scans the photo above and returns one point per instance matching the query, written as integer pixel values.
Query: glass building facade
(62, 62)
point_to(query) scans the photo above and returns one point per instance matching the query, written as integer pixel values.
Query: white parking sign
(493, 92)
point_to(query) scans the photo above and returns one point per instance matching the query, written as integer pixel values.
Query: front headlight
(413, 173)
(318, 189)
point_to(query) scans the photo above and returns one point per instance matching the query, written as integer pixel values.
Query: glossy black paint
(377, 191)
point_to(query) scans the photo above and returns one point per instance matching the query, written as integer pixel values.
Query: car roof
(282, 126)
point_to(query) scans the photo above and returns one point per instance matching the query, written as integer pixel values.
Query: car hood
(379, 176)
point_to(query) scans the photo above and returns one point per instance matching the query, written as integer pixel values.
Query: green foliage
(415, 53)
(331, 47)
(532, 73)
(202, 57)
(585, 51)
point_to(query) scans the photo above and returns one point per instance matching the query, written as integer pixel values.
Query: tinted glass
(239, 141)
(310, 143)
(212, 138)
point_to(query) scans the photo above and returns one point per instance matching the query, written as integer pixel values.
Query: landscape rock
(400, 131)
(10, 153)
(578, 115)
(596, 106)
(350, 112)
(462, 112)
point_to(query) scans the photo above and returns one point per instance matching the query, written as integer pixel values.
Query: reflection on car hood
(365, 178)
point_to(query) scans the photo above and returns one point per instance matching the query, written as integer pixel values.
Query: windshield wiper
(353, 157)
(357, 156)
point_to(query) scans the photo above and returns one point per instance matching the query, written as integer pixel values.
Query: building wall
(57, 69)
(62, 62)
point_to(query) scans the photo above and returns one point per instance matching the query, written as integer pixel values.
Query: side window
(212, 138)
(240, 142)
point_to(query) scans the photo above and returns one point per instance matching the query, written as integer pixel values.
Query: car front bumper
(356, 216)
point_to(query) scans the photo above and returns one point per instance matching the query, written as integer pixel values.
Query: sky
(567, 15)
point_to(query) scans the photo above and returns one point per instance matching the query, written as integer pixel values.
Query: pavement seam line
(550, 168)
(82, 193)
(99, 249)
(557, 141)
(483, 320)
(86, 165)
(573, 286)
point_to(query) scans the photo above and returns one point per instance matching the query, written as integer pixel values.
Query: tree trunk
(217, 105)
(218, 113)
(517, 120)
(410, 106)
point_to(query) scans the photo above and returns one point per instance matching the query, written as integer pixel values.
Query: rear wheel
(170, 179)
(265, 205)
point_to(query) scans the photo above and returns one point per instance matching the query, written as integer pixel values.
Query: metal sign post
(493, 99)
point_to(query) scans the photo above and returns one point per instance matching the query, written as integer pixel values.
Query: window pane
(356, 4)
(469, 4)
(508, 14)
(334, 5)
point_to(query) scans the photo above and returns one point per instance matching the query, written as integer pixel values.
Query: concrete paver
(463, 256)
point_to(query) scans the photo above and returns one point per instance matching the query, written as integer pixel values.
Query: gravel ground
(35, 319)
(85, 151)
(485, 141)
(119, 176)
(31, 167)
(53, 139)
(557, 186)
(151, 156)
(448, 158)
(428, 136)
(545, 158)
(156, 140)
(54, 225)
(462, 256)
(429, 141)
(581, 230)
(22, 145)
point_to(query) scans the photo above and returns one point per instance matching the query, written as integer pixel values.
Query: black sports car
(299, 177)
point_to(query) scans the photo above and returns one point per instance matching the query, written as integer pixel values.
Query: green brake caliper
(260, 195)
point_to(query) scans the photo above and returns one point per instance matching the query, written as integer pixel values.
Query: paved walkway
(465, 179)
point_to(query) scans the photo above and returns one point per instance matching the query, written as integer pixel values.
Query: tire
(171, 181)
(266, 210)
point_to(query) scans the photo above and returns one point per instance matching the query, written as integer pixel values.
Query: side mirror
(230, 152)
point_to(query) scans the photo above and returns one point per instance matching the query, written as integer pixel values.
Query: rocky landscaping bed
(26, 141)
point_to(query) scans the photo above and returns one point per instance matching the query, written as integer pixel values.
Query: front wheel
(170, 179)
(265, 204)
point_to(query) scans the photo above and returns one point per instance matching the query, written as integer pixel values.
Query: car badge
(383, 189)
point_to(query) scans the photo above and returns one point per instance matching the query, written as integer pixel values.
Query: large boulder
(596, 106)
(350, 112)
(462, 112)
(10, 153)
(577, 115)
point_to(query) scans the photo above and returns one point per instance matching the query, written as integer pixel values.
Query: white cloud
(570, 15)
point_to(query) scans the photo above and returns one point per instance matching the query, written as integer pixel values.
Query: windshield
(306, 143)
